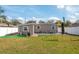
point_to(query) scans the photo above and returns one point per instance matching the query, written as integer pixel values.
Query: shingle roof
(36, 24)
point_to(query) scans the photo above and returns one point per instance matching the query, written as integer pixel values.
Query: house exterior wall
(21, 29)
(44, 28)
(38, 28)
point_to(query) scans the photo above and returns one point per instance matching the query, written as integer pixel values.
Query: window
(38, 27)
(52, 27)
(25, 28)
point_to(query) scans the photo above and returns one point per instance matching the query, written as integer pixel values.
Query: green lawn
(49, 44)
(13, 36)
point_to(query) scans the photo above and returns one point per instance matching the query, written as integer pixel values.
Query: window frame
(26, 27)
(38, 26)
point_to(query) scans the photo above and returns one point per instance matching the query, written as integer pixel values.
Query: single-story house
(34, 28)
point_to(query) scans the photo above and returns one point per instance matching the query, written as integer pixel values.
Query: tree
(4, 20)
(67, 23)
(2, 16)
(41, 21)
(15, 22)
(77, 21)
(50, 21)
(7, 22)
(58, 23)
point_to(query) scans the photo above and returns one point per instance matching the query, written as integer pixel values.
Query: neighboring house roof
(37, 24)
(75, 25)
(4, 25)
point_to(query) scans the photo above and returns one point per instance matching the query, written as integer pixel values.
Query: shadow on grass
(71, 34)
(75, 40)
(52, 40)
(18, 35)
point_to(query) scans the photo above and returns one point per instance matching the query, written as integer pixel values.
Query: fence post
(62, 26)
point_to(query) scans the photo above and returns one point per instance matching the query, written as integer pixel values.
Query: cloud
(38, 19)
(64, 7)
(72, 19)
(21, 19)
(54, 18)
(60, 6)
(68, 8)
(8, 17)
(72, 12)
(34, 18)
(77, 14)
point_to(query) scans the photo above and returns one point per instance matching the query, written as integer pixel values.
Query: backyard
(45, 44)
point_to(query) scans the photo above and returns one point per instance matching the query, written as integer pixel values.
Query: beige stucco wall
(43, 28)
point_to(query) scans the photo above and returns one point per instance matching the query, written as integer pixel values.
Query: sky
(42, 12)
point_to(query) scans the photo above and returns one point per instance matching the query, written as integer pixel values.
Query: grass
(48, 44)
